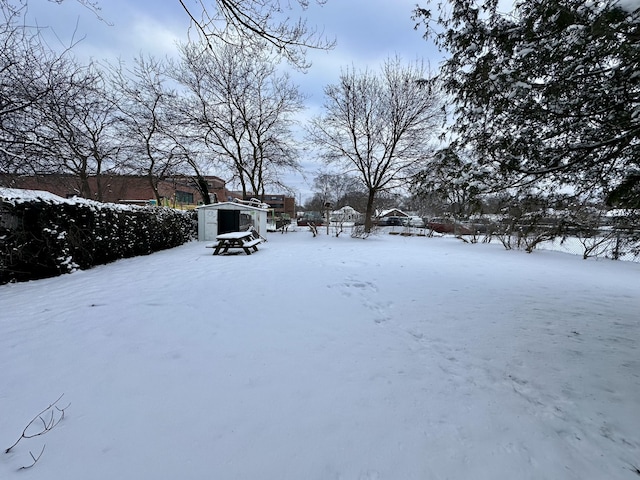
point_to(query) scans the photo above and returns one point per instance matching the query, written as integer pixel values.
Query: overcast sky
(367, 32)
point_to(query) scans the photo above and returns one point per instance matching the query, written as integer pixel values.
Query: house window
(184, 197)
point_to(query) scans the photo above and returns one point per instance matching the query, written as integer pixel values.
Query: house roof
(346, 208)
(393, 212)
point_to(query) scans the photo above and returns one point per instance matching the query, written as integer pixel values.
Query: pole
(327, 214)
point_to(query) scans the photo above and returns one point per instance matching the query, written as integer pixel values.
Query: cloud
(152, 37)
(123, 28)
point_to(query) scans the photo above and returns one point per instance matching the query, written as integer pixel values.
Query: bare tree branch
(35, 459)
(90, 5)
(254, 23)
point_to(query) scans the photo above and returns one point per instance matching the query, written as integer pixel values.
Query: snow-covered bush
(42, 235)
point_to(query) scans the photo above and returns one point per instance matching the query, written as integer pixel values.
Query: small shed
(224, 217)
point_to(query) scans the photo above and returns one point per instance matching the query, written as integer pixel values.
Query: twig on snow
(35, 459)
(49, 421)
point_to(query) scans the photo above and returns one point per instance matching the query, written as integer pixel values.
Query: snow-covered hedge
(43, 235)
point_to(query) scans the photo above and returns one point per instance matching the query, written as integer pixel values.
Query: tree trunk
(99, 194)
(154, 186)
(368, 217)
(203, 188)
(85, 188)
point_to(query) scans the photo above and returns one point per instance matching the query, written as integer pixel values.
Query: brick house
(280, 205)
(177, 191)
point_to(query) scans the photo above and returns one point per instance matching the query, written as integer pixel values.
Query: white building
(226, 217)
(345, 214)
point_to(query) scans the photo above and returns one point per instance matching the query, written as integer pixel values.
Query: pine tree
(550, 91)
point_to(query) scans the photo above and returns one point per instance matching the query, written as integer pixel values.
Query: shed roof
(232, 206)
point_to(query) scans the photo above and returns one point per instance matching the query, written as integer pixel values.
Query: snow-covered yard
(327, 358)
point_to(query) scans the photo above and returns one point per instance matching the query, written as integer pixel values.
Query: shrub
(42, 235)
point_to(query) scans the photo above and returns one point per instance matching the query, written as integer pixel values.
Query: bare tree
(192, 157)
(379, 126)
(252, 24)
(26, 71)
(241, 109)
(77, 126)
(335, 188)
(148, 122)
(55, 114)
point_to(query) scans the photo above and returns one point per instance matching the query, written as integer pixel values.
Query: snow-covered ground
(327, 358)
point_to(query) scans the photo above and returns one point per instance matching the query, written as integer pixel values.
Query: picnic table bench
(247, 240)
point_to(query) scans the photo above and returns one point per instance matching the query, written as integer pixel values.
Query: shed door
(228, 221)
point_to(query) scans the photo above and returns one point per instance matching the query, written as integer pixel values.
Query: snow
(327, 358)
(17, 196)
(629, 5)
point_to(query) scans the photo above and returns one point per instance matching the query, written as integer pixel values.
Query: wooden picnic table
(246, 241)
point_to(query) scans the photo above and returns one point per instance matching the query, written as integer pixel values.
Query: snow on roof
(345, 209)
(235, 206)
(385, 213)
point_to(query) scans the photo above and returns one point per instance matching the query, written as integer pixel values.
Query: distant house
(345, 214)
(393, 212)
(391, 217)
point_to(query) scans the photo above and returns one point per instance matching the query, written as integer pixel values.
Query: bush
(43, 235)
